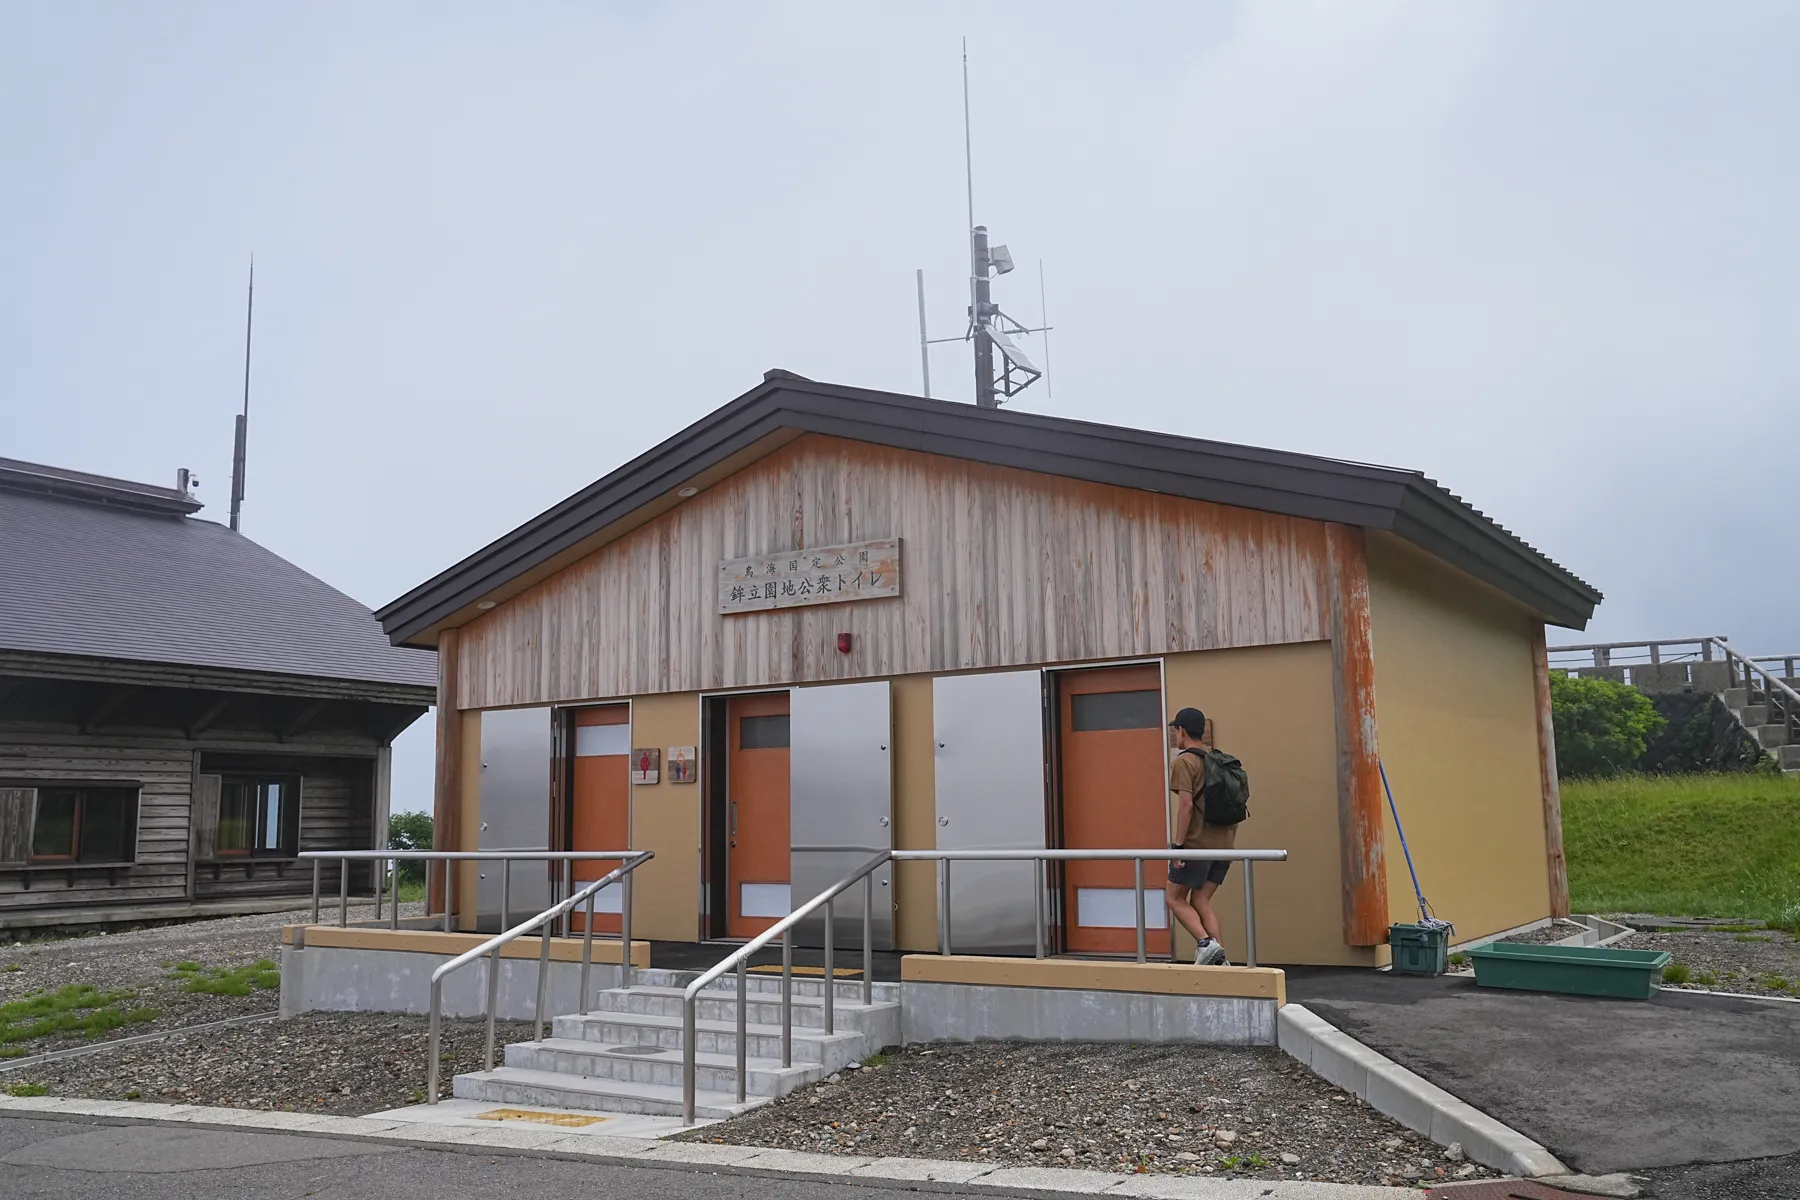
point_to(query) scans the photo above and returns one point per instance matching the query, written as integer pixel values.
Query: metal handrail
(1784, 700)
(568, 858)
(739, 959)
(491, 949)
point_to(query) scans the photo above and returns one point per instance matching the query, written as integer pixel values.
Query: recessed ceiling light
(484, 604)
(685, 492)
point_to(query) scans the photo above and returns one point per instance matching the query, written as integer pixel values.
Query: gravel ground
(347, 1064)
(1555, 931)
(139, 960)
(1249, 1113)
(1750, 962)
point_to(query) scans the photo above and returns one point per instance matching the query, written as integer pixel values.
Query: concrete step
(1735, 698)
(548, 1089)
(833, 1050)
(712, 1072)
(1787, 757)
(757, 981)
(1770, 736)
(1752, 715)
(763, 1008)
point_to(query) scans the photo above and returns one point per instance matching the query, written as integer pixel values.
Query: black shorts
(1191, 875)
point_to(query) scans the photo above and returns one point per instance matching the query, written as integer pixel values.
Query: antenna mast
(240, 444)
(990, 329)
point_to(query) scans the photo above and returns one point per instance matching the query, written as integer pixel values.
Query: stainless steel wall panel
(841, 801)
(515, 809)
(989, 733)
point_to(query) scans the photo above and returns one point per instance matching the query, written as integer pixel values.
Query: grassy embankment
(1685, 845)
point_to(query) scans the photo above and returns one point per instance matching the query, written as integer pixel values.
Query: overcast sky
(1545, 252)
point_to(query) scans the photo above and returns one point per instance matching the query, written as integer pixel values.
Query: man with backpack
(1212, 796)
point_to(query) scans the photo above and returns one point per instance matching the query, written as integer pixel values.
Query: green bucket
(1572, 970)
(1419, 950)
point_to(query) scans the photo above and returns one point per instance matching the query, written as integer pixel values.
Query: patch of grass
(1640, 843)
(26, 1089)
(75, 1008)
(9, 967)
(1458, 959)
(13, 1052)
(133, 1094)
(261, 975)
(1675, 973)
(1775, 983)
(1707, 979)
(1752, 937)
(411, 892)
(878, 1060)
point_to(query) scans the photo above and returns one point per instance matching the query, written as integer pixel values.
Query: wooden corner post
(446, 800)
(1361, 831)
(1555, 863)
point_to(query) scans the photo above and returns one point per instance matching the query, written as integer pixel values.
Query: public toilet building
(825, 621)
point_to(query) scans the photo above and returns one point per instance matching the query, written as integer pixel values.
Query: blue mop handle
(1402, 831)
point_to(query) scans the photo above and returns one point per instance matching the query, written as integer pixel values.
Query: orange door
(757, 870)
(1113, 756)
(601, 816)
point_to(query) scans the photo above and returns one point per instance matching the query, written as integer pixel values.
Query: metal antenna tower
(990, 329)
(241, 442)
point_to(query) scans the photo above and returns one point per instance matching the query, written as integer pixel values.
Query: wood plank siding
(337, 807)
(1001, 568)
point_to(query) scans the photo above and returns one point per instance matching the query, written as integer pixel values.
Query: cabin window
(259, 815)
(85, 825)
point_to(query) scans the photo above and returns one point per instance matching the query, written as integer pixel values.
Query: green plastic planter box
(1573, 970)
(1418, 950)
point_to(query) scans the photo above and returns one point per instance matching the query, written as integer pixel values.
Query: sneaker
(1210, 954)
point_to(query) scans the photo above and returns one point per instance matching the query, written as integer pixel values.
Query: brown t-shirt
(1187, 773)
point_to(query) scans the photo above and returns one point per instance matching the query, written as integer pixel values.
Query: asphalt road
(64, 1159)
(1607, 1085)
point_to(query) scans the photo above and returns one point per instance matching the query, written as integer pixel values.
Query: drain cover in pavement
(634, 1050)
(1502, 1189)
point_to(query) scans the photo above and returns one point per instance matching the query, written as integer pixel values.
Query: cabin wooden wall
(165, 770)
(1000, 568)
(337, 807)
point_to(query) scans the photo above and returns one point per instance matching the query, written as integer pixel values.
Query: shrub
(410, 831)
(1675, 973)
(1602, 727)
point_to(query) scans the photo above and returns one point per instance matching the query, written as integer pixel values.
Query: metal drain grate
(634, 1050)
(1499, 1189)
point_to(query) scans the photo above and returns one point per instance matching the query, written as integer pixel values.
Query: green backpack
(1225, 798)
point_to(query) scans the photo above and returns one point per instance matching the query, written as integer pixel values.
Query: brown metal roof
(785, 406)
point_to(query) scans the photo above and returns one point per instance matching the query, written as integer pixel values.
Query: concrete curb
(1408, 1098)
(1039, 1183)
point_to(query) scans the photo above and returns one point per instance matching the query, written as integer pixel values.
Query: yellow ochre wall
(1458, 729)
(1272, 707)
(915, 812)
(665, 817)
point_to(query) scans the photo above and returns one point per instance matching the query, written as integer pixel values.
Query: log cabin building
(824, 621)
(181, 711)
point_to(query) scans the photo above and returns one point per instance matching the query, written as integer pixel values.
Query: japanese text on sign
(821, 575)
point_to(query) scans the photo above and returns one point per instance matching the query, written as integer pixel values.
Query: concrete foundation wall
(332, 979)
(955, 1012)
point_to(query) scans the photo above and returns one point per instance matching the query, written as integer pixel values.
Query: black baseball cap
(1191, 721)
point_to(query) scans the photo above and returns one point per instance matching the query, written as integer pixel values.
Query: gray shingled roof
(122, 582)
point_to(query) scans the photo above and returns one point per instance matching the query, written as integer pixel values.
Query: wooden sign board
(683, 763)
(645, 765)
(821, 575)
